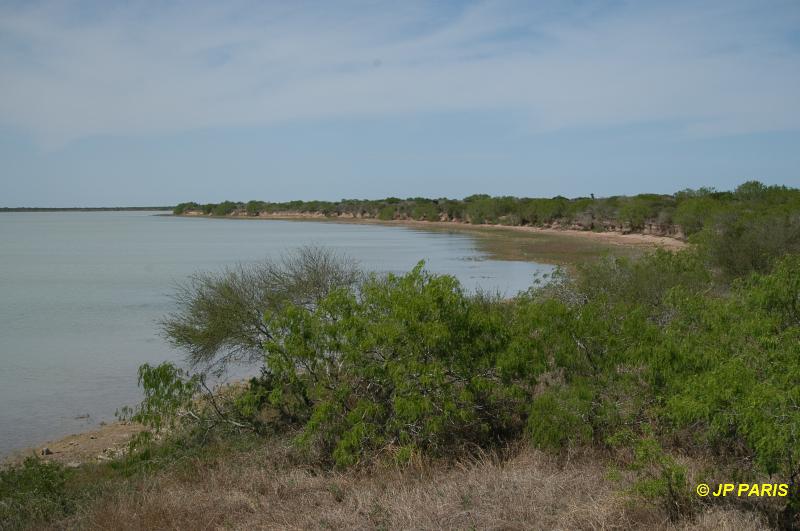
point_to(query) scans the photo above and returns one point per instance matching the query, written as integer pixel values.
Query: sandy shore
(612, 238)
(101, 444)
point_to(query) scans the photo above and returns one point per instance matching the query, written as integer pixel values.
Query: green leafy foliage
(414, 362)
(695, 209)
(220, 317)
(167, 390)
(224, 208)
(735, 369)
(742, 241)
(558, 418)
(387, 213)
(690, 352)
(635, 212)
(407, 361)
(425, 212)
(661, 479)
(33, 492)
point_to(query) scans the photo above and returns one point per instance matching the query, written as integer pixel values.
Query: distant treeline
(681, 214)
(83, 209)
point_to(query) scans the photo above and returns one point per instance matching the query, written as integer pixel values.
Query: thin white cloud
(68, 72)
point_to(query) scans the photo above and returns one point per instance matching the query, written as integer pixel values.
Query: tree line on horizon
(684, 213)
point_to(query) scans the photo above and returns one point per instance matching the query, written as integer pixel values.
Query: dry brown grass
(269, 489)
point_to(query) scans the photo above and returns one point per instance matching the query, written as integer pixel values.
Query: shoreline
(632, 239)
(96, 445)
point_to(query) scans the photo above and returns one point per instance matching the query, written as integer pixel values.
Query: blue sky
(133, 103)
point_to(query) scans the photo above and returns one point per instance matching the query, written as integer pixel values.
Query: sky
(106, 103)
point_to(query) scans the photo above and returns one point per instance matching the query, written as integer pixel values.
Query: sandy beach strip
(633, 239)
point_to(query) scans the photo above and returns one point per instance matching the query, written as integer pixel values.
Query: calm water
(80, 294)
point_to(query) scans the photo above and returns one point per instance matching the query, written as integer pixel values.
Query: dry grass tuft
(269, 489)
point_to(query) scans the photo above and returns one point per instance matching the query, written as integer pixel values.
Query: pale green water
(80, 294)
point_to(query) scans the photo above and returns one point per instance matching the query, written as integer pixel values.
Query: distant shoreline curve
(633, 239)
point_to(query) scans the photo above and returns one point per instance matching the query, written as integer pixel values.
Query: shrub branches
(220, 316)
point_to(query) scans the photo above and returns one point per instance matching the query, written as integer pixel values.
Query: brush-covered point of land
(599, 398)
(677, 215)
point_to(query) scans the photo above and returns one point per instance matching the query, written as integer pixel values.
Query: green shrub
(661, 479)
(33, 492)
(643, 282)
(740, 242)
(694, 213)
(167, 391)
(387, 213)
(559, 418)
(224, 208)
(407, 361)
(734, 369)
(646, 358)
(634, 212)
(220, 317)
(254, 208)
(425, 212)
(480, 209)
(185, 207)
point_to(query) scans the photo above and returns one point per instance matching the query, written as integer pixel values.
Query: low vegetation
(598, 398)
(684, 213)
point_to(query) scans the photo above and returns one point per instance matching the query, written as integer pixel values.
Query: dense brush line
(681, 214)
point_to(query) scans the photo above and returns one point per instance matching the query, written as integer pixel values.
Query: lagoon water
(81, 294)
